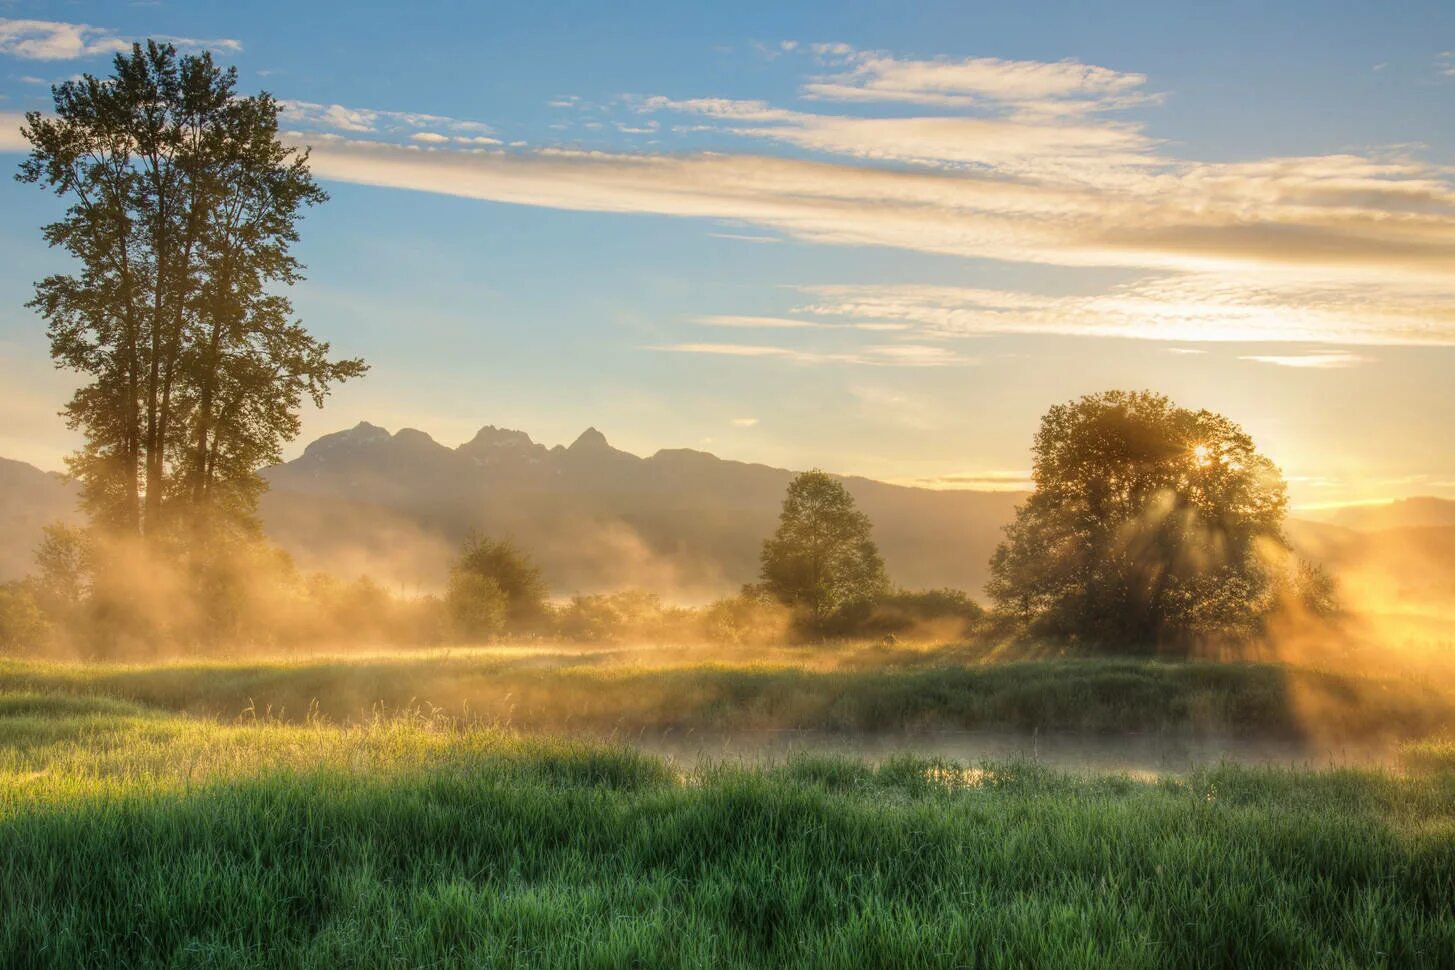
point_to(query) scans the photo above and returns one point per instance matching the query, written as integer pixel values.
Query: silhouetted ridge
(591, 440)
(360, 435)
(594, 516)
(490, 437)
(414, 437)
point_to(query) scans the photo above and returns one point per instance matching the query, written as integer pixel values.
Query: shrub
(926, 614)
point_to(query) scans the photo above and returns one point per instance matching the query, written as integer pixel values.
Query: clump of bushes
(748, 619)
(628, 616)
(925, 614)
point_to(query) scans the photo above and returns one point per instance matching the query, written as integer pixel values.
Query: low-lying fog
(1139, 755)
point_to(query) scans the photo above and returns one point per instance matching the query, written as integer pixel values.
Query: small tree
(1150, 526)
(63, 570)
(488, 564)
(821, 561)
(477, 606)
(23, 623)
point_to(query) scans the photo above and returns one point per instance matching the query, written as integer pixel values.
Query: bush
(747, 619)
(23, 624)
(927, 614)
(477, 606)
(631, 615)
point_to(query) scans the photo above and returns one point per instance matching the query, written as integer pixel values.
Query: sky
(877, 238)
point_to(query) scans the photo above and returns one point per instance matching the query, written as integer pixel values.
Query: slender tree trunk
(201, 472)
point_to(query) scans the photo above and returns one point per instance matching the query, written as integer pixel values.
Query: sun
(1202, 454)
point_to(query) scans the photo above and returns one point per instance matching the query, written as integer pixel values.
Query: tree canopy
(1150, 525)
(822, 560)
(183, 208)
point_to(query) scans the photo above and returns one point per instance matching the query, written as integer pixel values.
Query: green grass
(626, 692)
(131, 836)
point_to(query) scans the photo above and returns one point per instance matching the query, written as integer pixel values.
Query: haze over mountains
(30, 499)
(680, 522)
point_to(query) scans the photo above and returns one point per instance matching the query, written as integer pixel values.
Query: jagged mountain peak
(591, 440)
(360, 435)
(490, 437)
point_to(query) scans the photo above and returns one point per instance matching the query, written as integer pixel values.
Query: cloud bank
(1014, 161)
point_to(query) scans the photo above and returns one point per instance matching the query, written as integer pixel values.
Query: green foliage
(1315, 590)
(24, 625)
(748, 619)
(630, 616)
(183, 208)
(63, 569)
(821, 560)
(133, 839)
(943, 614)
(477, 605)
(1151, 526)
(493, 575)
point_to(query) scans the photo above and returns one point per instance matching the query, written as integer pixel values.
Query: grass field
(387, 811)
(863, 688)
(136, 837)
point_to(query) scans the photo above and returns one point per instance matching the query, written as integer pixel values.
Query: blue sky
(879, 238)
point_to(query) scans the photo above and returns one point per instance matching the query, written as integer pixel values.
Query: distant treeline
(105, 598)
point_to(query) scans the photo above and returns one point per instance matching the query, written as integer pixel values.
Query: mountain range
(681, 522)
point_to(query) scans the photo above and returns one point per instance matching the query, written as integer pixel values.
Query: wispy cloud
(1182, 307)
(1311, 220)
(880, 355)
(791, 323)
(1038, 88)
(1029, 146)
(1445, 63)
(417, 126)
(744, 422)
(1320, 361)
(49, 40)
(987, 481)
(745, 237)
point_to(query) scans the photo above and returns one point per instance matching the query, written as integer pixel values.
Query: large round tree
(1151, 526)
(821, 561)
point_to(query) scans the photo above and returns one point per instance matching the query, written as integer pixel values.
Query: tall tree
(1150, 525)
(822, 560)
(184, 205)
